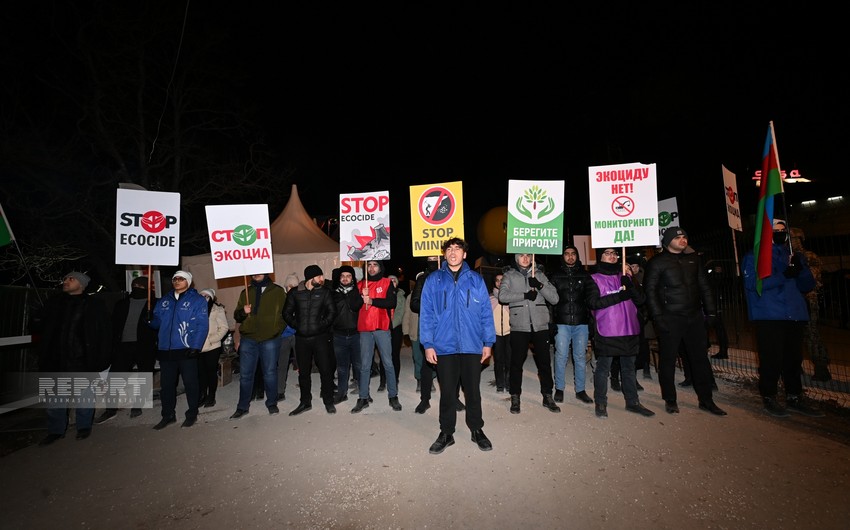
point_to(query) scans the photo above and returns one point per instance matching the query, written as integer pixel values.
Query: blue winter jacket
(182, 323)
(455, 316)
(781, 298)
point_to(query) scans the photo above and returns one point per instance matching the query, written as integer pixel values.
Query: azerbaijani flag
(6, 235)
(771, 186)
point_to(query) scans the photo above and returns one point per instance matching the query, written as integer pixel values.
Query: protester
(374, 322)
(286, 357)
(346, 339)
(527, 291)
(780, 314)
(183, 323)
(613, 300)
(75, 337)
(571, 317)
(259, 313)
(311, 311)
(133, 341)
(457, 331)
(502, 346)
(210, 353)
(679, 299)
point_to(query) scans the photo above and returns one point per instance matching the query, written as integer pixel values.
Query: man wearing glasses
(182, 320)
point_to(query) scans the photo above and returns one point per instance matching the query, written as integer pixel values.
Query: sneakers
(481, 439)
(559, 396)
(164, 422)
(107, 415)
(339, 398)
(637, 408)
(330, 408)
(712, 407)
(395, 404)
(772, 407)
(671, 407)
(796, 404)
(583, 397)
(601, 410)
(514, 403)
(443, 440)
(238, 414)
(550, 404)
(423, 405)
(360, 405)
(273, 410)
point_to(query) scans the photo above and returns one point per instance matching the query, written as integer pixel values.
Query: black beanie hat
(670, 234)
(311, 271)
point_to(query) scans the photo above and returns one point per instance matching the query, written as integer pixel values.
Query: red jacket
(379, 314)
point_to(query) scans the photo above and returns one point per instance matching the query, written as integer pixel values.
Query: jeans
(252, 352)
(347, 351)
(368, 340)
(57, 415)
(577, 336)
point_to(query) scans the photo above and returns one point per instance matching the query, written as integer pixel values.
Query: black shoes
(281, 396)
(637, 385)
(722, 355)
(712, 407)
(514, 404)
(796, 404)
(339, 398)
(559, 396)
(135, 413)
(82, 434)
(443, 440)
(106, 416)
(209, 403)
(601, 410)
(189, 421)
(423, 405)
(395, 404)
(686, 383)
(330, 408)
(164, 422)
(459, 406)
(583, 397)
(418, 386)
(481, 439)
(360, 405)
(382, 386)
(550, 404)
(273, 410)
(640, 409)
(302, 407)
(49, 439)
(238, 414)
(615, 384)
(671, 407)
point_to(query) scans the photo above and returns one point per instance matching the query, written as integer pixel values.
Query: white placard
(364, 226)
(147, 228)
(623, 205)
(240, 240)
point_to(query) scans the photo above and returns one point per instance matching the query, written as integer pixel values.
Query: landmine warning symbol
(623, 206)
(437, 206)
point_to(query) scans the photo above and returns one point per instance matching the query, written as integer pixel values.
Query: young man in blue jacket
(183, 323)
(780, 314)
(457, 331)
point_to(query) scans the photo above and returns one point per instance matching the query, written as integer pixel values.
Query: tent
(297, 241)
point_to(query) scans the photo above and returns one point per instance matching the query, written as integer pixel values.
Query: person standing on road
(780, 315)
(457, 331)
(679, 298)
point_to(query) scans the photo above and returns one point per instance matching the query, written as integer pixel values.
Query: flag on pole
(769, 188)
(6, 235)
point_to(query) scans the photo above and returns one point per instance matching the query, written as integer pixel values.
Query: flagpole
(12, 238)
(782, 189)
(735, 249)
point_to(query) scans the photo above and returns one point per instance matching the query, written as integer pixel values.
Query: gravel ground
(373, 471)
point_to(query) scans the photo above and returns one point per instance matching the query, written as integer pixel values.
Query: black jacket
(310, 312)
(573, 285)
(76, 335)
(348, 306)
(145, 335)
(677, 284)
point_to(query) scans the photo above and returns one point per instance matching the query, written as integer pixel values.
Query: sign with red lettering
(240, 240)
(147, 227)
(623, 205)
(364, 226)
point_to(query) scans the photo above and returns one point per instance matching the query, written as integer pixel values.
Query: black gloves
(531, 295)
(793, 269)
(626, 282)
(193, 353)
(534, 283)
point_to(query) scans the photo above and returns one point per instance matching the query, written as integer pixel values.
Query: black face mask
(138, 293)
(780, 238)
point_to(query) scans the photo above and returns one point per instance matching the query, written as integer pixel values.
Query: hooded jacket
(573, 285)
(781, 298)
(527, 315)
(348, 303)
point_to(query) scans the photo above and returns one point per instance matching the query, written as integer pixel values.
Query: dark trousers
(208, 372)
(685, 335)
(169, 372)
(454, 370)
(129, 354)
(318, 349)
(780, 349)
(542, 358)
(502, 360)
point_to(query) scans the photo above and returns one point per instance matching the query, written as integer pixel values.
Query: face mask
(138, 292)
(780, 238)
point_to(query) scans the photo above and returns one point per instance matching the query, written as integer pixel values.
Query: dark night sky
(386, 97)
